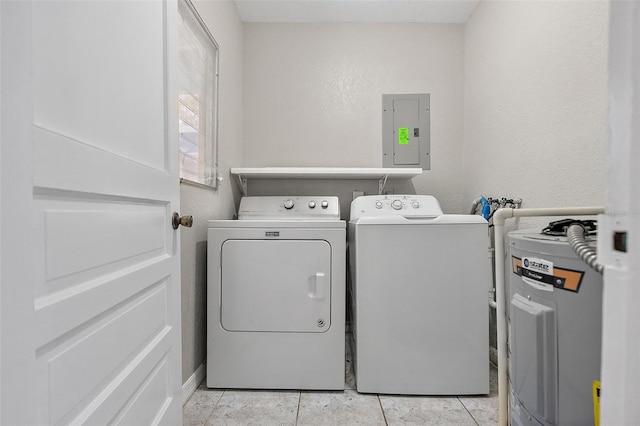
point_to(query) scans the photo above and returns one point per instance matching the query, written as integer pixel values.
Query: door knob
(184, 221)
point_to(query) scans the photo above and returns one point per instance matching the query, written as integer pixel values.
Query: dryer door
(276, 285)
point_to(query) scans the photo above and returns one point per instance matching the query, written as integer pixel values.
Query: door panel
(68, 251)
(153, 366)
(151, 394)
(281, 286)
(88, 57)
(63, 365)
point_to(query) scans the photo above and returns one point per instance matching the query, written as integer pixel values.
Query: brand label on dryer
(272, 234)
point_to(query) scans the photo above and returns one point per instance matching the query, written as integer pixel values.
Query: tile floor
(348, 407)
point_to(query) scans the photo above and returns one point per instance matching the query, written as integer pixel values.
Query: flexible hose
(576, 238)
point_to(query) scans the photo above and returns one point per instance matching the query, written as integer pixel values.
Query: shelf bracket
(242, 180)
(381, 184)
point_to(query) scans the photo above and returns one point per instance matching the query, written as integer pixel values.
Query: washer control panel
(404, 205)
(298, 207)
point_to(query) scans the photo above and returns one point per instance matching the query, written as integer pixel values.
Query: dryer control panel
(296, 207)
(391, 205)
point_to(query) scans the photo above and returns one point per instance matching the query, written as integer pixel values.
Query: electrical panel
(406, 131)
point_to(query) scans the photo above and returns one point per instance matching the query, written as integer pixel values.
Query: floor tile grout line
(206, 421)
(298, 412)
(384, 416)
(467, 410)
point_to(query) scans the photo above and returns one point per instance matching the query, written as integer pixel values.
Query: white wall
(313, 96)
(224, 24)
(535, 109)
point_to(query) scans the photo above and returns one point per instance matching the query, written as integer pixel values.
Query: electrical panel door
(405, 131)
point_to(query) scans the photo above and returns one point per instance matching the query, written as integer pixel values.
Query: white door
(92, 320)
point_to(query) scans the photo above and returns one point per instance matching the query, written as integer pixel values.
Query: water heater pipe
(498, 221)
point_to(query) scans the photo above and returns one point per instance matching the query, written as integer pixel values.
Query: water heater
(555, 318)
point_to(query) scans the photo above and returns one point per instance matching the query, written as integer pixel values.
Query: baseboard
(193, 382)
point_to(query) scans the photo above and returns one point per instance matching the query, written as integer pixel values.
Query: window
(197, 98)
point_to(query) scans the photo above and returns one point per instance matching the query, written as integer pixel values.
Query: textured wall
(535, 108)
(203, 204)
(313, 95)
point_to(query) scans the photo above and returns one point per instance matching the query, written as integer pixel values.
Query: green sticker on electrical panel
(403, 136)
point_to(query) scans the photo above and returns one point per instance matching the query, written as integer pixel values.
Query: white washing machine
(276, 295)
(419, 285)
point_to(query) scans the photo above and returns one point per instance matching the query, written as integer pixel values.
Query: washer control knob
(288, 204)
(378, 204)
(396, 204)
(312, 204)
(415, 204)
(324, 204)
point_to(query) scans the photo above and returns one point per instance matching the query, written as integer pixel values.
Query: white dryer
(419, 285)
(276, 295)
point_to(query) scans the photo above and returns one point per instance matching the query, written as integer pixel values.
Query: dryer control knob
(396, 204)
(312, 204)
(288, 204)
(324, 204)
(378, 204)
(415, 204)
